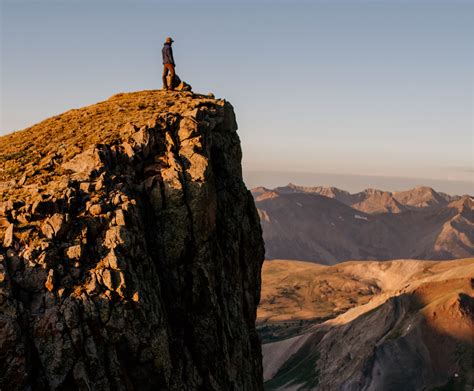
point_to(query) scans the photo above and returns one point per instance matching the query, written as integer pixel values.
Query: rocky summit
(130, 249)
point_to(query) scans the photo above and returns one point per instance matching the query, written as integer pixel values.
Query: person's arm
(171, 56)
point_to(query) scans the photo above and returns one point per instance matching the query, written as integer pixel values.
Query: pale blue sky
(371, 88)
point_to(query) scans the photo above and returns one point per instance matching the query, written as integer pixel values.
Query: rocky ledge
(130, 249)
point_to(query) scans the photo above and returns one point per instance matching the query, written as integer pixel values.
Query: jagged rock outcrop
(130, 250)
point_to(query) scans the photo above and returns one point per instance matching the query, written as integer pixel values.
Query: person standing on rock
(168, 64)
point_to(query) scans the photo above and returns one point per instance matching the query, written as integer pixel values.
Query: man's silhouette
(168, 64)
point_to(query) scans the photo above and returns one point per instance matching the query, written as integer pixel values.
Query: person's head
(169, 40)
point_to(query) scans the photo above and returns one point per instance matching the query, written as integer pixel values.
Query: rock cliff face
(130, 250)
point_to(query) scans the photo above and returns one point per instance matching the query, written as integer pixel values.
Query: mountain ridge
(302, 223)
(385, 201)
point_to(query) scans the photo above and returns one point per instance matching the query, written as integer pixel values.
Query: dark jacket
(167, 52)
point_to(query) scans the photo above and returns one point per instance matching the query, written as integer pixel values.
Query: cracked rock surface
(130, 250)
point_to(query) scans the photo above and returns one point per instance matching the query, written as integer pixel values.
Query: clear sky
(380, 88)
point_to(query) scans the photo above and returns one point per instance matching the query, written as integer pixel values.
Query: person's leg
(165, 73)
(172, 73)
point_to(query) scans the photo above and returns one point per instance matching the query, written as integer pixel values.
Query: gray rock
(55, 226)
(74, 252)
(22, 181)
(85, 163)
(8, 238)
(95, 210)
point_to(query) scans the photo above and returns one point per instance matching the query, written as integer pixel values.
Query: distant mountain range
(329, 225)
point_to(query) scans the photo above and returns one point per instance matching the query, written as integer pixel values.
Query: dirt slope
(416, 333)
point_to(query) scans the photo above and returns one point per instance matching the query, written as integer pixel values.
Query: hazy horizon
(353, 183)
(371, 88)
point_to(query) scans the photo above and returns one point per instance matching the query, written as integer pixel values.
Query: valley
(404, 324)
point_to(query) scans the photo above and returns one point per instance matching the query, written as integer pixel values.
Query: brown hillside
(416, 333)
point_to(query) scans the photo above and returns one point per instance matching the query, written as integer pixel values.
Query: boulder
(85, 163)
(178, 84)
(8, 237)
(55, 226)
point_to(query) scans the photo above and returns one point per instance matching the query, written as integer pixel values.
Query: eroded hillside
(413, 333)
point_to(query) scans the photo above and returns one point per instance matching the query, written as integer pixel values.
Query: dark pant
(168, 68)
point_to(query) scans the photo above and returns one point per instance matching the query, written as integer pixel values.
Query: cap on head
(169, 40)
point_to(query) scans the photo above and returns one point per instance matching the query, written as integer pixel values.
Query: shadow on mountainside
(415, 341)
(313, 228)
